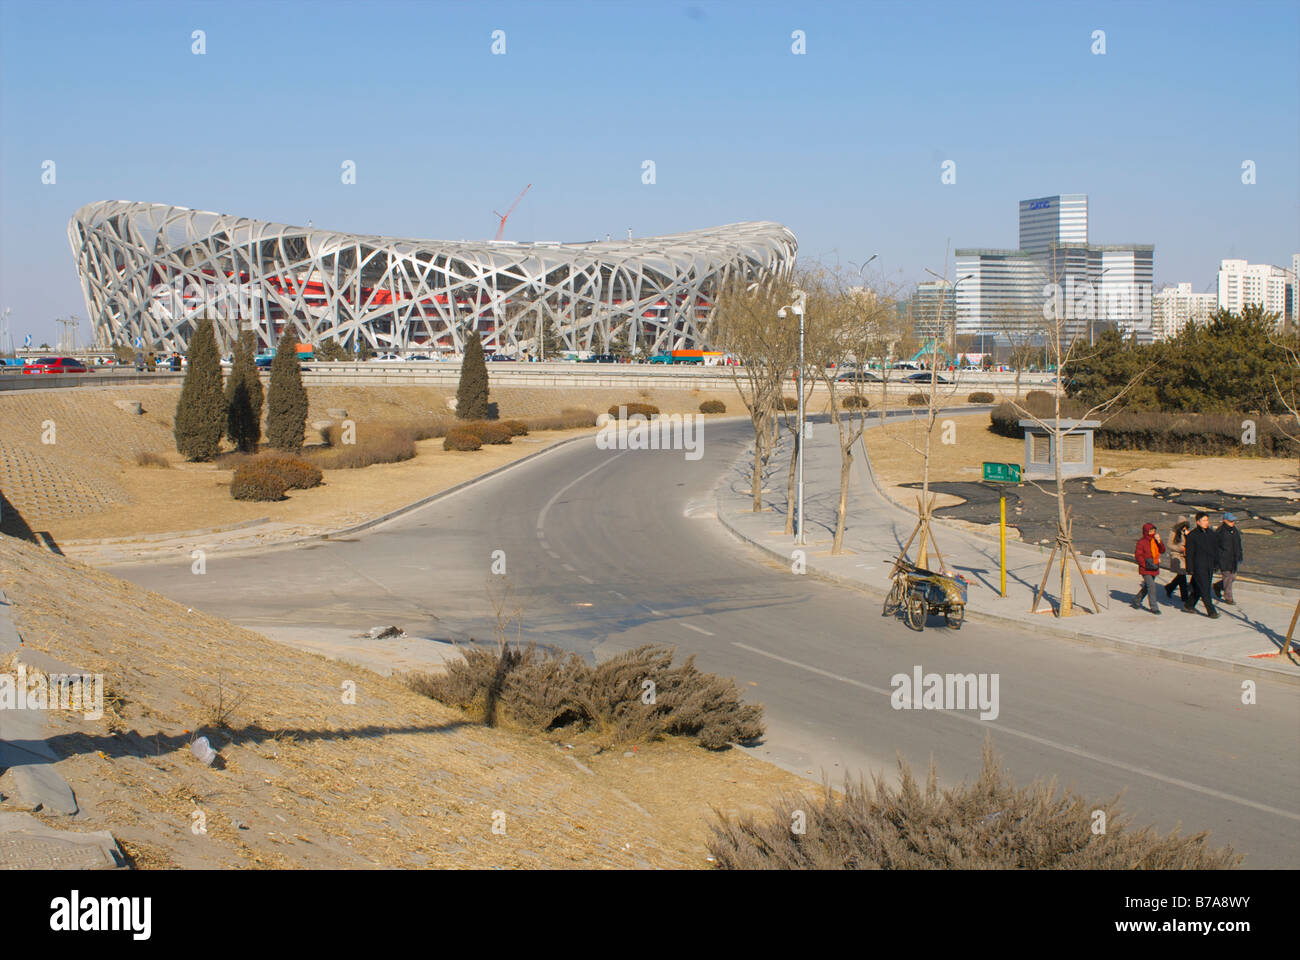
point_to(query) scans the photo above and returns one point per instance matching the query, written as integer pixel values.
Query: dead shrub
(713, 406)
(547, 692)
(855, 401)
(517, 428)
(374, 442)
(459, 438)
(787, 403)
(917, 400)
(633, 408)
(147, 458)
(988, 824)
(980, 396)
(568, 419)
(1038, 397)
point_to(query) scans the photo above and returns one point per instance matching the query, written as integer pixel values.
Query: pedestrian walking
(1177, 560)
(1228, 540)
(1202, 554)
(1147, 553)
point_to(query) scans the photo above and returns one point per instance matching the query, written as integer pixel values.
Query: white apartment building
(1173, 308)
(1244, 284)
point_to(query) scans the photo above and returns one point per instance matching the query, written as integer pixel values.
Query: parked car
(263, 360)
(924, 377)
(662, 358)
(601, 358)
(386, 358)
(499, 356)
(857, 376)
(56, 365)
(419, 356)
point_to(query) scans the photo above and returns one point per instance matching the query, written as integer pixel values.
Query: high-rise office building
(1006, 294)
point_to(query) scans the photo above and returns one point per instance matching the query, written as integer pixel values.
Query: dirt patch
(309, 779)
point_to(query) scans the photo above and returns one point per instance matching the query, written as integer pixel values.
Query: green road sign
(1002, 472)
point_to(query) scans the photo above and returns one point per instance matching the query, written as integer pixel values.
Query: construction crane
(501, 228)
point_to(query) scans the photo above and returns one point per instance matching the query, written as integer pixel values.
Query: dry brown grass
(988, 824)
(309, 780)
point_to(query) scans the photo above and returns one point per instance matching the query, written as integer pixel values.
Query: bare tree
(745, 324)
(1067, 346)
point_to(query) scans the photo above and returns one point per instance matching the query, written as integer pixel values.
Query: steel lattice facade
(150, 271)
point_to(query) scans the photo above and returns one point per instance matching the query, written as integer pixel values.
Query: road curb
(1127, 646)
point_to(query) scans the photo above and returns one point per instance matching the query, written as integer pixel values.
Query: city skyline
(736, 123)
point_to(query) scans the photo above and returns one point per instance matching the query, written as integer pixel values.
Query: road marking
(1043, 741)
(653, 610)
(691, 626)
(617, 594)
(585, 579)
(541, 517)
(569, 567)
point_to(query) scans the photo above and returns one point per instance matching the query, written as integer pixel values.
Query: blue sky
(843, 144)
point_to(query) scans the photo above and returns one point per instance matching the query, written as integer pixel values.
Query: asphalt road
(606, 550)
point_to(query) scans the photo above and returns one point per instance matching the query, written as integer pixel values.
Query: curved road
(606, 550)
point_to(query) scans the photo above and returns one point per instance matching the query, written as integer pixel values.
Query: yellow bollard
(1002, 544)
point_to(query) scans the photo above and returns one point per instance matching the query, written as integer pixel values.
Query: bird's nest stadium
(151, 271)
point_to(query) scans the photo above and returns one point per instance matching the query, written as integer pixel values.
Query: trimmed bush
(297, 473)
(517, 428)
(488, 432)
(1039, 396)
(460, 438)
(646, 410)
(917, 400)
(257, 481)
(548, 692)
(713, 406)
(1197, 434)
(855, 402)
(980, 396)
(988, 824)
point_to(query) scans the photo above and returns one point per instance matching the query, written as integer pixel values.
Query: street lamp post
(800, 298)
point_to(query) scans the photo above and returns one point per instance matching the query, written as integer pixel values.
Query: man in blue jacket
(1228, 542)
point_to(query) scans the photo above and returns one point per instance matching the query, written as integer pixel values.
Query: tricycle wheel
(917, 609)
(955, 615)
(893, 600)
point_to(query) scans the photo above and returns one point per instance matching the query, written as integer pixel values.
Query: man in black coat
(1202, 556)
(1228, 539)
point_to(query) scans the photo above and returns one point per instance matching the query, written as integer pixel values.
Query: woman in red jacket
(1147, 553)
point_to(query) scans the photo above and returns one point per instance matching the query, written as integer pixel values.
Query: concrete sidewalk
(1247, 637)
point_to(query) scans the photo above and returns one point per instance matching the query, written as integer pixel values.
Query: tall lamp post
(800, 298)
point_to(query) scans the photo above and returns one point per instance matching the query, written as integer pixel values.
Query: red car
(56, 365)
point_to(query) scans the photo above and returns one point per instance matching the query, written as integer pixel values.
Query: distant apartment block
(1173, 308)
(1243, 284)
(933, 309)
(1002, 293)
